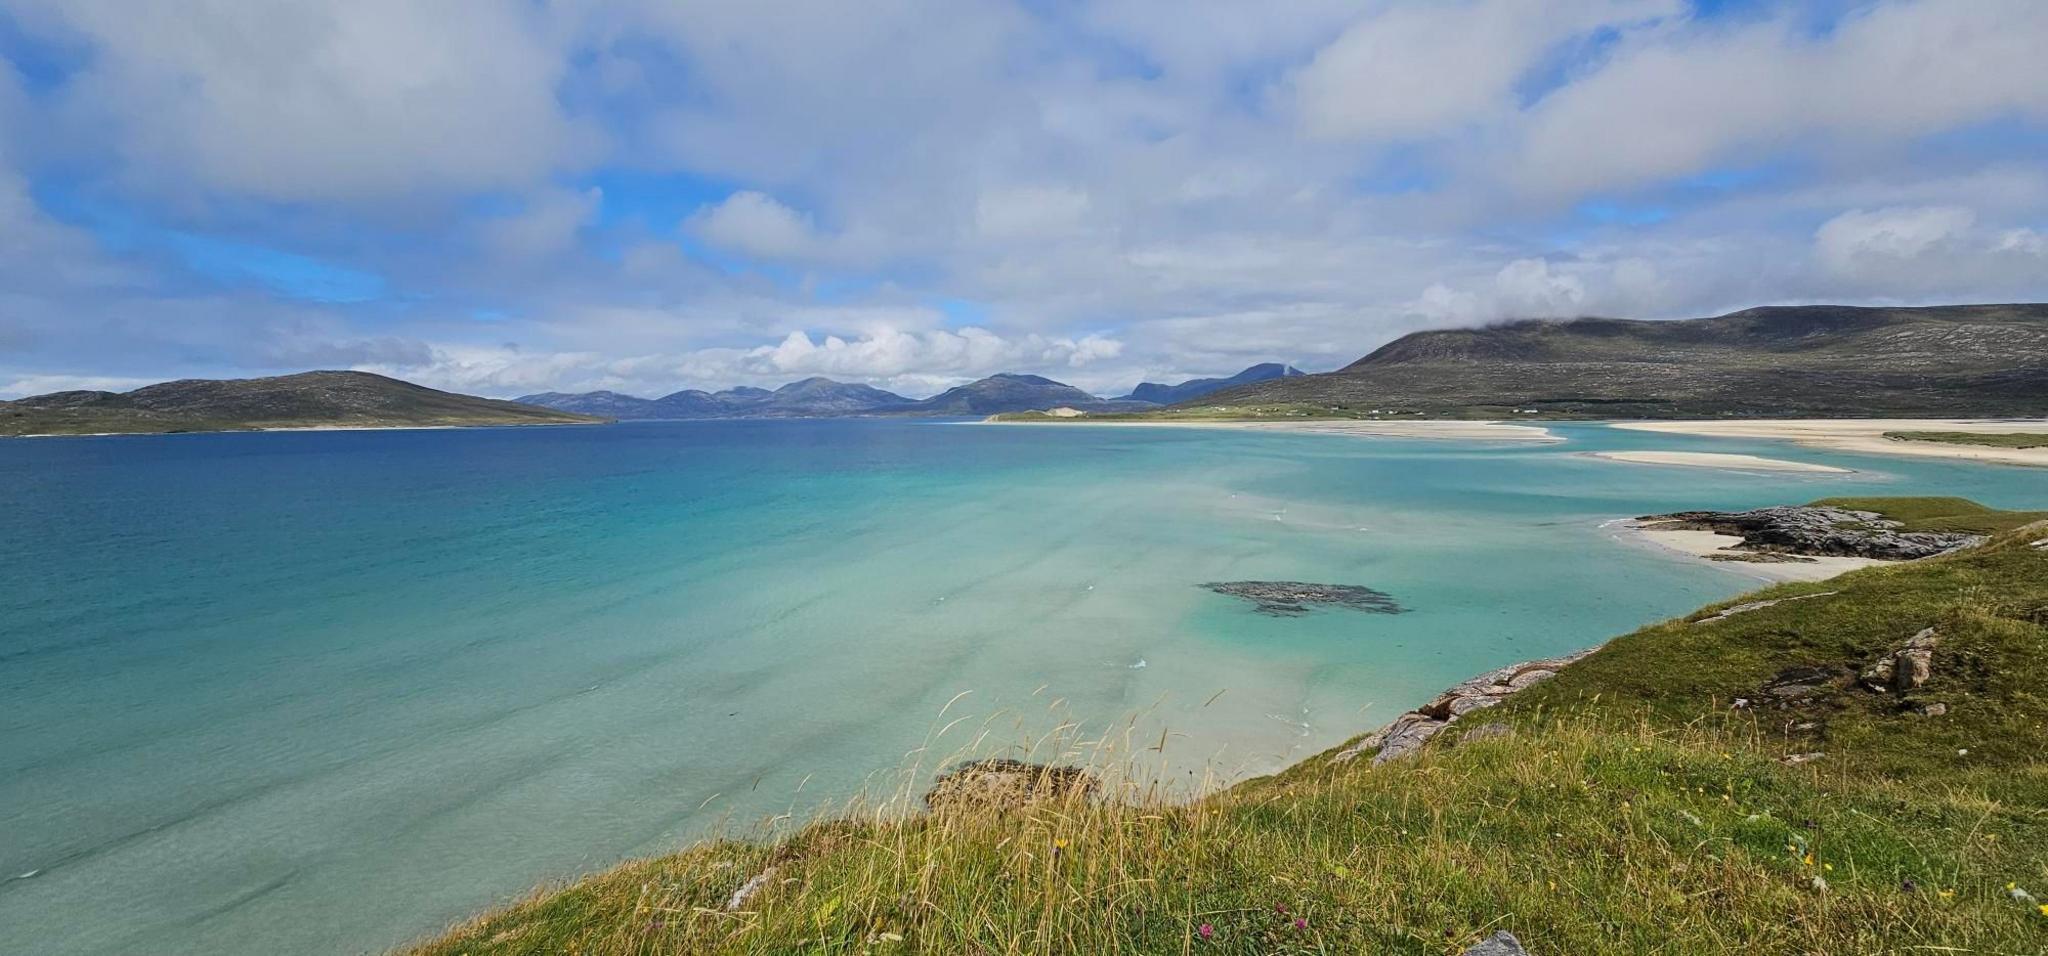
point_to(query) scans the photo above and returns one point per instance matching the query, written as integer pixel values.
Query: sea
(328, 692)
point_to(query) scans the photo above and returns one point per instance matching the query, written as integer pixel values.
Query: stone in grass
(1501, 943)
(1295, 598)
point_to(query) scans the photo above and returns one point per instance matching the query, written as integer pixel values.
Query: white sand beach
(1707, 545)
(1454, 430)
(1866, 435)
(1698, 459)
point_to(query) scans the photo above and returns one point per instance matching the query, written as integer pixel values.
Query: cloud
(1921, 250)
(756, 224)
(368, 99)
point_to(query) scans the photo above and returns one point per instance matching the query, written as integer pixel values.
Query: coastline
(307, 428)
(1700, 459)
(1449, 430)
(1703, 546)
(1866, 435)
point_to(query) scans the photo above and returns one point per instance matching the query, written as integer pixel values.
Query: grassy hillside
(1782, 362)
(2004, 440)
(308, 399)
(1626, 806)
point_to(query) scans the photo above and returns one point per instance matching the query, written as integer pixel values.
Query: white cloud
(1923, 250)
(757, 224)
(1030, 212)
(318, 101)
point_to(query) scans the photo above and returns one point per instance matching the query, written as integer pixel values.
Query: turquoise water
(324, 692)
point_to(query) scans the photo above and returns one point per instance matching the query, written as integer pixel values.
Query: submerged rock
(1295, 598)
(1818, 530)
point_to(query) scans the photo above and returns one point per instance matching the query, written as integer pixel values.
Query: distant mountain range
(824, 398)
(305, 400)
(1196, 388)
(1776, 362)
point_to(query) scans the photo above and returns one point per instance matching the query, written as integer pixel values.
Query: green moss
(1939, 513)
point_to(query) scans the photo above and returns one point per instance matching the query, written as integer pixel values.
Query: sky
(648, 195)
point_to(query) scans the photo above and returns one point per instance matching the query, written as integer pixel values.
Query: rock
(748, 889)
(1007, 783)
(1502, 943)
(1406, 736)
(1795, 684)
(1794, 760)
(1411, 730)
(1729, 612)
(1295, 598)
(1936, 709)
(1819, 531)
(1906, 668)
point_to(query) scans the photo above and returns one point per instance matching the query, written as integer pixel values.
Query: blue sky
(505, 197)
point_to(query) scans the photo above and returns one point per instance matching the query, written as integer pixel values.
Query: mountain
(809, 398)
(1195, 388)
(1777, 362)
(305, 400)
(1010, 393)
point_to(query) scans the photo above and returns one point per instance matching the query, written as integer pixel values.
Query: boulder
(1007, 784)
(1501, 943)
(1906, 668)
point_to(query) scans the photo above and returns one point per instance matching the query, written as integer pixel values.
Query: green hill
(1778, 362)
(305, 400)
(1736, 780)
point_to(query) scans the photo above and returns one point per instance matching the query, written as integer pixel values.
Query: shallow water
(324, 692)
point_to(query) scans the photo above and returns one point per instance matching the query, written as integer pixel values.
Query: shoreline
(305, 428)
(1866, 435)
(1726, 462)
(1702, 546)
(1477, 430)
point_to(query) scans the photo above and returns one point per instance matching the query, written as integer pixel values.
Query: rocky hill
(1011, 393)
(1778, 362)
(305, 400)
(1159, 394)
(809, 398)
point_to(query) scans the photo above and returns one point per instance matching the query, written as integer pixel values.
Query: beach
(1448, 430)
(1706, 545)
(1698, 459)
(1866, 435)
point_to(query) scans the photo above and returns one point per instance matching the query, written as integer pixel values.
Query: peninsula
(308, 400)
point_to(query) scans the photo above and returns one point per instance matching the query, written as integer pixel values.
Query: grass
(1628, 809)
(2006, 440)
(1939, 513)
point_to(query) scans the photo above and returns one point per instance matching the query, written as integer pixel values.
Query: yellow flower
(2043, 908)
(1060, 843)
(1809, 860)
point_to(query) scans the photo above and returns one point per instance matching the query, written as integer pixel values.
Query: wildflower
(1205, 931)
(1302, 923)
(1808, 860)
(2043, 908)
(1280, 908)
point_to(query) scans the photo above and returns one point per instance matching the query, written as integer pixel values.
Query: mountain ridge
(1773, 361)
(318, 399)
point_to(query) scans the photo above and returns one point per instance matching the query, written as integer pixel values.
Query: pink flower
(1300, 923)
(1205, 931)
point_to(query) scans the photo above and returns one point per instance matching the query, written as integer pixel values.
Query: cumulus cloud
(644, 195)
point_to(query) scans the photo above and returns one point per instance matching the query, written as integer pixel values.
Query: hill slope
(1626, 805)
(305, 400)
(1783, 362)
(1197, 387)
(1009, 393)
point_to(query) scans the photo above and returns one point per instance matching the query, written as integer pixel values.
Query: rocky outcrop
(1501, 943)
(1007, 784)
(1817, 530)
(1411, 730)
(1906, 668)
(1295, 598)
